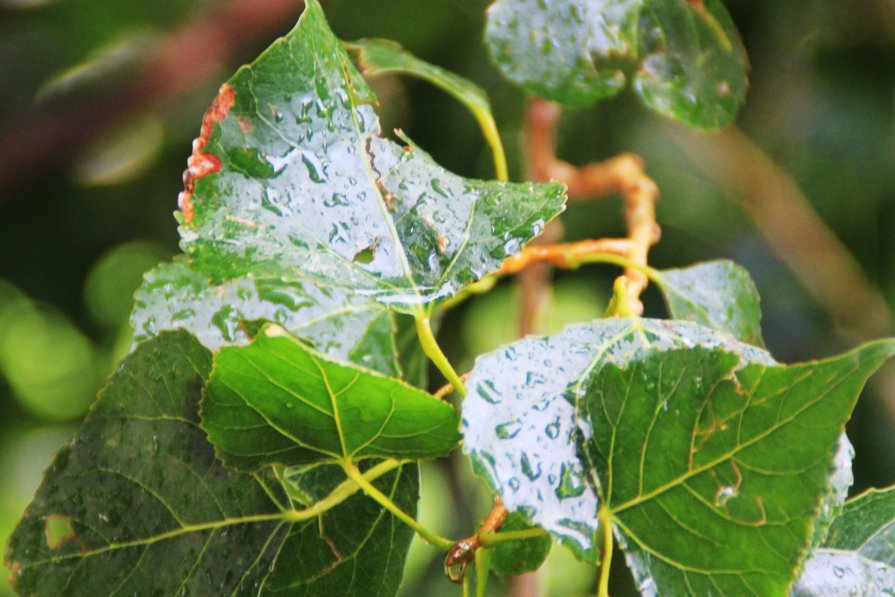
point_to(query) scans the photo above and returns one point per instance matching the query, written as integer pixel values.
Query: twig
(448, 388)
(463, 551)
(622, 174)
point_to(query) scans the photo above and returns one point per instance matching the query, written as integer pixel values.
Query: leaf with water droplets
(519, 428)
(338, 203)
(684, 436)
(340, 324)
(277, 401)
(137, 504)
(717, 294)
(858, 556)
(685, 58)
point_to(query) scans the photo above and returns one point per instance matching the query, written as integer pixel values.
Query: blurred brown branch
(793, 229)
(178, 64)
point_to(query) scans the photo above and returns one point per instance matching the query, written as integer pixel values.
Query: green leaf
(519, 556)
(382, 56)
(295, 182)
(858, 557)
(137, 504)
(345, 326)
(520, 429)
(714, 470)
(680, 432)
(717, 294)
(693, 65)
(277, 401)
(685, 57)
(571, 52)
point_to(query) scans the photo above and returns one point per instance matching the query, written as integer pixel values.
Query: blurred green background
(100, 100)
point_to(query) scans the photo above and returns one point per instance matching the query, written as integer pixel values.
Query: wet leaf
(682, 433)
(342, 325)
(858, 557)
(520, 429)
(277, 401)
(693, 65)
(717, 294)
(291, 179)
(137, 504)
(685, 59)
(571, 52)
(520, 555)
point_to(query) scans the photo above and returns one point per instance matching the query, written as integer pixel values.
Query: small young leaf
(519, 555)
(717, 294)
(858, 557)
(686, 57)
(328, 198)
(137, 504)
(345, 326)
(277, 401)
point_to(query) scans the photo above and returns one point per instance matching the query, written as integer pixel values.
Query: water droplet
(508, 430)
(552, 429)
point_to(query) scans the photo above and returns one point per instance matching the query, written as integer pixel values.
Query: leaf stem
(482, 568)
(605, 518)
(433, 351)
(342, 492)
(492, 539)
(355, 475)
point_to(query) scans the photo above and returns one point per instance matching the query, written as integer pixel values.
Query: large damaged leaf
(277, 401)
(290, 178)
(137, 504)
(710, 459)
(520, 427)
(684, 58)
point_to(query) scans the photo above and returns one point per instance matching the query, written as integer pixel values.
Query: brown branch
(788, 222)
(622, 174)
(564, 255)
(464, 550)
(178, 64)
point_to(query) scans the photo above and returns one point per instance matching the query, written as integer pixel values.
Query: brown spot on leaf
(201, 164)
(245, 125)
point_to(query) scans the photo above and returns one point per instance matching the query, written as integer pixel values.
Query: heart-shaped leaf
(337, 323)
(290, 179)
(137, 504)
(277, 401)
(691, 440)
(858, 557)
(685, 57)
(520, 428)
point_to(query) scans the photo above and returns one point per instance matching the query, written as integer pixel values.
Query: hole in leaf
(58, 530)
(365, 256)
